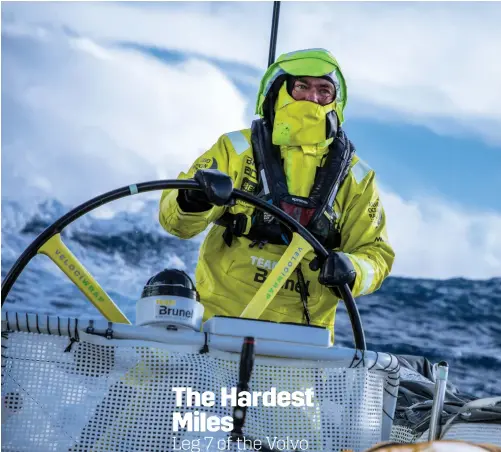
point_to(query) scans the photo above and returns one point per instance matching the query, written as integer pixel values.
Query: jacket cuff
(365, 275)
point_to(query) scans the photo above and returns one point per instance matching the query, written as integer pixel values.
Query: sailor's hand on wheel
(216, 190)
(337, 270)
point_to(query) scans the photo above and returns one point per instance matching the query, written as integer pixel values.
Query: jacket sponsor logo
(249, 171)
(290, 284)
(86, 282)
(206, 163)
(374, 211)
(263, 263)
(248, 185)
(379, 239)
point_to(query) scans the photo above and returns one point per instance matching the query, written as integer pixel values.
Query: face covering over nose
(299, 129)
(300, 122)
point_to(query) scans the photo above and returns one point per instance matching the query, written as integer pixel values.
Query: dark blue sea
(457, 320)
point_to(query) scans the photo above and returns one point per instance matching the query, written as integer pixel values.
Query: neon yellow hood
(308, 62)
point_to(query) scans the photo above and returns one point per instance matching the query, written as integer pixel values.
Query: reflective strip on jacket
(228, 277)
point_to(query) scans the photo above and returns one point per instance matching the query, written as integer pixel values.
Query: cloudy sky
(101, 95)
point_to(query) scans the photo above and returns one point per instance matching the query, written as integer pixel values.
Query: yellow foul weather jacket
(227, 277)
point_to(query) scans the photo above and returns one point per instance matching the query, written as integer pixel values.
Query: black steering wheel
(55, 229)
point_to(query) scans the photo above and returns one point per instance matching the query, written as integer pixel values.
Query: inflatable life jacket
(315, 212)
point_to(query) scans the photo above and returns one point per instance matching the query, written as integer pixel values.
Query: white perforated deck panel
(104, 395)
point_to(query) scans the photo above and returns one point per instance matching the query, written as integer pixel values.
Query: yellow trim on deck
(59, 253)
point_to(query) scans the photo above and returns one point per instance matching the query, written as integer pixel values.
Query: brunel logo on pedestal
(164, 308)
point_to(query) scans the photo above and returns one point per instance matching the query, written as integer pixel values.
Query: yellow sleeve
(364, 238)
(188, 224)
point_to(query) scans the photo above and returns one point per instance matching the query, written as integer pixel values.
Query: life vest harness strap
(314, 212)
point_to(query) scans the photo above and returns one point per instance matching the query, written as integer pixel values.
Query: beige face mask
(300, 122)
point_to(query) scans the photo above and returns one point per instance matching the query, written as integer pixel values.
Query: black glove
(337, 270)
(216, 189)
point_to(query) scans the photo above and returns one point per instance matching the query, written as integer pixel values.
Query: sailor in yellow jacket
(298, 157)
